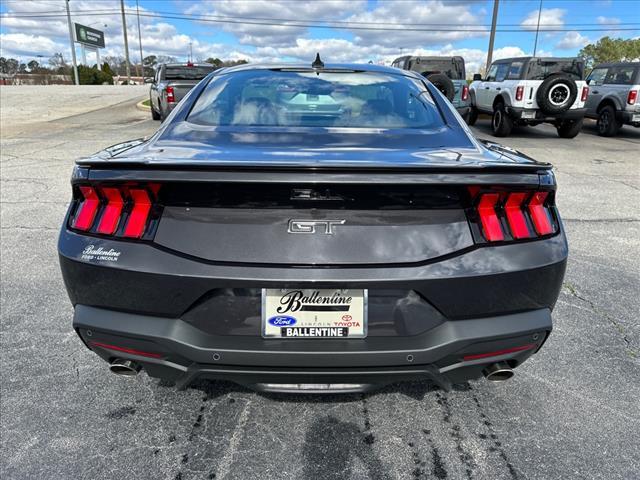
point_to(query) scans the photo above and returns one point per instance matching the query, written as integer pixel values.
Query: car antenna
(317, 63)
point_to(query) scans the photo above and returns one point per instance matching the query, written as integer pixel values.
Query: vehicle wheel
(556, 94)
(501, 123)
(443, 83)
(155, 115)
(569, 128)
(472, 116)
(607, 124)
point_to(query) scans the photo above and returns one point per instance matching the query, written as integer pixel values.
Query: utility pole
(191, 52)
(126, 43)
(535, 45)
(492, 37)
(140, 40)
(73, 47)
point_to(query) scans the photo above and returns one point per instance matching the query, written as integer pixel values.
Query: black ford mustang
(323, 228)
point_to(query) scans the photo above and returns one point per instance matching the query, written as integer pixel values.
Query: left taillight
(505, 215)
(632, 97)
(465, 93)
(171, 98)
(115, 210)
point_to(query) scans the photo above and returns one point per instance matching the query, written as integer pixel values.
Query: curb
(142, 107)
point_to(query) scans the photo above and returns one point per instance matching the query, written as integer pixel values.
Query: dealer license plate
(314, 313)
(635, 118)
(526, 114)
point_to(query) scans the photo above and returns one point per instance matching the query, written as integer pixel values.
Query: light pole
(535, 45)
(73, 47)
(493, 35)
(140, 41)
(126, 43)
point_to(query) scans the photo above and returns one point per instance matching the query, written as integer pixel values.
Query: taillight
(515, 215)
(503, 215)
(519, 93)
(632, 97)
(120, 210)
(585, 94)
(539, 213)
(139, 214)
(465, 93)
(489, 217)
(87, 208)
(170, 95)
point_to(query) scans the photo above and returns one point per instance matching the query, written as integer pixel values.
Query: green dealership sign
(89, 36)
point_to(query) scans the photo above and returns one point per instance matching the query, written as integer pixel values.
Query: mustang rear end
(317, 229)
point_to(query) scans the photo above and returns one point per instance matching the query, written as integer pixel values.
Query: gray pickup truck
(446, 73)
(171, 82)
(613, 99)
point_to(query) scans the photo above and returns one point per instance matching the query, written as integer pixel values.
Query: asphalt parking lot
(572, 411)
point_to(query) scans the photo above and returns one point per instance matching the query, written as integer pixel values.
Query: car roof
(525, 59)
(188, 65)
(617, 64)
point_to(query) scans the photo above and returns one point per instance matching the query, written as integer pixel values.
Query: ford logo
(282, 321)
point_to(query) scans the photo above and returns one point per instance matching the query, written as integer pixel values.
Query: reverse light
(498, 353)
(585, 94)
(171, 98)
(632, 97)
(465, 93)
(131, 351)
(519, 92)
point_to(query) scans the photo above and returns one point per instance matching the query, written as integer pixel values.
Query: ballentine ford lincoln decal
(92, 253)
(314, 313)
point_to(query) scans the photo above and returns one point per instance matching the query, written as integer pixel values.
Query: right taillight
(632, 97)
(519, 93)
(171, 98)
(115, 210)
(512, 215)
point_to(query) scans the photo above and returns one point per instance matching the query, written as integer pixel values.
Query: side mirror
(477, 77)
(148, 80)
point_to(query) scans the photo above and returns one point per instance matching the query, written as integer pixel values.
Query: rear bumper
(573, 114)
(185, 353)
(629, 118)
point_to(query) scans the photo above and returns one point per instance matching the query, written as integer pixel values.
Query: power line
(345, 25)
(468, 28)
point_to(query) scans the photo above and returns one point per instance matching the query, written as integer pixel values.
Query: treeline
(111, 66)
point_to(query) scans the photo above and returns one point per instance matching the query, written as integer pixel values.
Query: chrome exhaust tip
(498, 372)
(125, 368)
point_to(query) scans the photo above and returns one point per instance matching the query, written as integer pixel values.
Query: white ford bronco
(529, 91)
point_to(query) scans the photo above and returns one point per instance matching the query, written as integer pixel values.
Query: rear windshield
(541, 69)
(451, 68)
(187, 73)
(307, 99)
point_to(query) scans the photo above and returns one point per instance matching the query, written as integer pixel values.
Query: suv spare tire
(556, 94)
(443, 83)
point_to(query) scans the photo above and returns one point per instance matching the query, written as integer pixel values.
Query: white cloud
(456, 16)
(262, 11)
(608, 20)
(571, 41)
(21, 44)
(550, 18)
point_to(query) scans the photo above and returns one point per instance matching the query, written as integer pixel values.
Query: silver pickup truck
(171, 82)
(613, 99)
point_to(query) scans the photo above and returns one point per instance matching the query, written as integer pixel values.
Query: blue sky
(273, 30)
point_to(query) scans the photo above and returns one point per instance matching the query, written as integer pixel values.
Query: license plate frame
(324, 321)
(528, 115)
